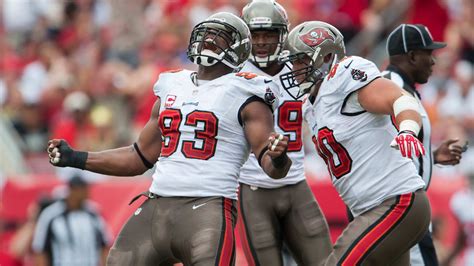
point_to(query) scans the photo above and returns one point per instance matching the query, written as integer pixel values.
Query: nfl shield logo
(358, 75)
(170, 99)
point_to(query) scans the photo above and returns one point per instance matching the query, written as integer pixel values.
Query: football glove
(408, 144)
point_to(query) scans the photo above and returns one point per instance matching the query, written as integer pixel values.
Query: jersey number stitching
(289, 123)
(327, 146)
(169, 122)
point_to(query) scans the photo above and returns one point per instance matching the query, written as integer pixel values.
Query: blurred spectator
(461, 206)
(34, 79)
(20, 244)
(460, 32)
(424, 12)
(70, 232)
(458, 103)
(31, 127)
(85, 125)
(75, 121)
(343, 14)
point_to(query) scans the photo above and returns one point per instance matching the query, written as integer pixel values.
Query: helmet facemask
(311, 75)
(265, 61)
(214, 41)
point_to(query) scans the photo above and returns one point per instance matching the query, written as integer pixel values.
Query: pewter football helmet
(232, 30)
(266, 15)
(319, 41)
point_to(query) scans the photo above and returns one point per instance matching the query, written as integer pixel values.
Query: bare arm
(258, 127)
(123, 161)
(379, 96)
(41, 259)
(103, 256)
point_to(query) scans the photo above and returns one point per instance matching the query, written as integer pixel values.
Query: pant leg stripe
(249, 252)
(226, 248)
(376, 232)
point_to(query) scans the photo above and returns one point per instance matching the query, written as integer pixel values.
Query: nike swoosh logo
(347, 66)
(197, 206)
(267, 81)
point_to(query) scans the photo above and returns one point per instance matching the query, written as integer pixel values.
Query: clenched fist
(60, 154)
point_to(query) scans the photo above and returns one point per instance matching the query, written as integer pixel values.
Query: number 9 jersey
(204, 144)
(288, 121)
(354, 143)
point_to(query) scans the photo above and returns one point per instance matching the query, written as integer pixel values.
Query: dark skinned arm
(124, 161)
(258, 127)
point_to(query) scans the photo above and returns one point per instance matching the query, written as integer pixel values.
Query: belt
(147, 194)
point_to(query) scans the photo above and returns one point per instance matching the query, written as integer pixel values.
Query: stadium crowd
(82, 70)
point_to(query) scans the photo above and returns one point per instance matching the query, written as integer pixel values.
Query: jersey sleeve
(258, 86)
(356, 73)
(159, 87)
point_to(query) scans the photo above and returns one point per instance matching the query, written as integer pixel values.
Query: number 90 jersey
(354, 143)
(288, 121)
(204, 144)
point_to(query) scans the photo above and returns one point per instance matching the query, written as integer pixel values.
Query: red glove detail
(408, 144)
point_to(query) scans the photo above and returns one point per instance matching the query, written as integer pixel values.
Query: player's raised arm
(383, 96)
(269, 147)
(125, 161)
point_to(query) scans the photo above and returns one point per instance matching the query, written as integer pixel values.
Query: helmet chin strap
(264, 61)
(305, 87)
(210, 58)
(317, 76)
(207, 58)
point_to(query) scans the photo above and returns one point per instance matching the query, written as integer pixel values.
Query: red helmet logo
(315, 37)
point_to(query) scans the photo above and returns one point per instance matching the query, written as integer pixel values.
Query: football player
(277, 211)
(368, 160)
(201, 130)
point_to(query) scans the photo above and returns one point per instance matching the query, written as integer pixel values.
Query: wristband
(70, 157)
(280, 161)
(78, 159)
(410, 125)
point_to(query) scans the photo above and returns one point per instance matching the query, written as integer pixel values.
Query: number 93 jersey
(288, 121)
(204, 144)
(354, 143)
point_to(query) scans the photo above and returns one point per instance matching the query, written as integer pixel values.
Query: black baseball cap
(407, 37)
(77, 181)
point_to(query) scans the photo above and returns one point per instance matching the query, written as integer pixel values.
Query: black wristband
(407, 132)
(78, 159)
(70, 157)
(280, 161)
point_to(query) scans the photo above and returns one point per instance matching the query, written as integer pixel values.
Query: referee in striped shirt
(410, 48)
(70, 232)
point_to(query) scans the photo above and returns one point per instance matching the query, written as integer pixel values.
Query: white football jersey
(288, 121)
(204, 144)
(354, 143)
(462, 206)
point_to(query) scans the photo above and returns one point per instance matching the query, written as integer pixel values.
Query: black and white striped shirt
(424, 163)
(70, 237)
